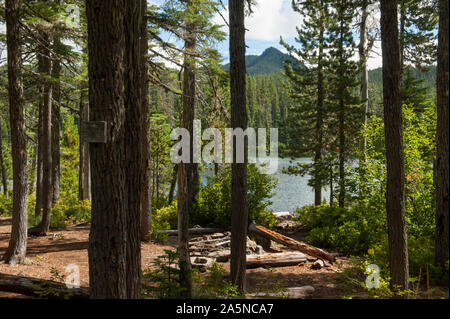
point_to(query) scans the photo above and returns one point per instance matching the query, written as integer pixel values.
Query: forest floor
(69, 246)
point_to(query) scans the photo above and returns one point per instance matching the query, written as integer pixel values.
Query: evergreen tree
(417, 36)
(344, 86)
(306, 73)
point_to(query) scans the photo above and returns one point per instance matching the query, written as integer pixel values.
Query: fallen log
(223, 243)
(275, 260)
(207, 241)
(40, 288)
(192, 231)
(289, 242)
(293, 293)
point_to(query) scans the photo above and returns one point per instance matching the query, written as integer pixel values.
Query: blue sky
(270, 20)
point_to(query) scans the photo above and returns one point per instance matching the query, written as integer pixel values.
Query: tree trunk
(239, 202)
(319, 123)
(186, 171)
(84, 174)
(44, 64)
(146, 198)
(341, 119)
(116, 166)
(331, 186)
(173, 183)
(402, 38)
(39, 147)
(2, 164)
(442, 140)
(342, 146)
(363, 52)
(56, 119)
(395, 191)
(18, 243)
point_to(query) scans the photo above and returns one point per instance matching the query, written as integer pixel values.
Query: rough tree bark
(18, 243)
(56, 118)
(146, 197)
(84, 172)
(38, 150)
(363, 54)
(45, 146)
(319, 122)
(186, 171)
(116, 166)
(239, 202)
(173, 183)
(342, 126)
(393, 119)
(442, 140)
(2, 164)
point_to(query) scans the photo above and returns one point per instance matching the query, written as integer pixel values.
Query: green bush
(5, 205)
(214, 204)
(163, 219)
(347, 230)
(63, 213)
(420, 259)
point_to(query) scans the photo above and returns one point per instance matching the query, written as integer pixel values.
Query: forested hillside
(268, 98)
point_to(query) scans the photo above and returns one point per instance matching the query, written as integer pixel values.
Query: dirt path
(64, 247)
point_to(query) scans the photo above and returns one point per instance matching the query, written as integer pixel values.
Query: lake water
(292, 191)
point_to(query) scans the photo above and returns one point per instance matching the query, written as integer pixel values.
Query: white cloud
(270, 20)
(375, 59)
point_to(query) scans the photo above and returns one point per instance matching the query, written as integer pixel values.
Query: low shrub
(63, 213)
(5, 205)
(213, 208)
(347, 230)
(163, 219)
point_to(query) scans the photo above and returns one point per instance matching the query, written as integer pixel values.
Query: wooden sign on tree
(93, 132)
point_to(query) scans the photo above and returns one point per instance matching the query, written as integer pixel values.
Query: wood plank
(275, 260)
(193, 231)
(292, 293)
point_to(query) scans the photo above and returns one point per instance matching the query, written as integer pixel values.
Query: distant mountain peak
(272, 51)
(270, 61)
